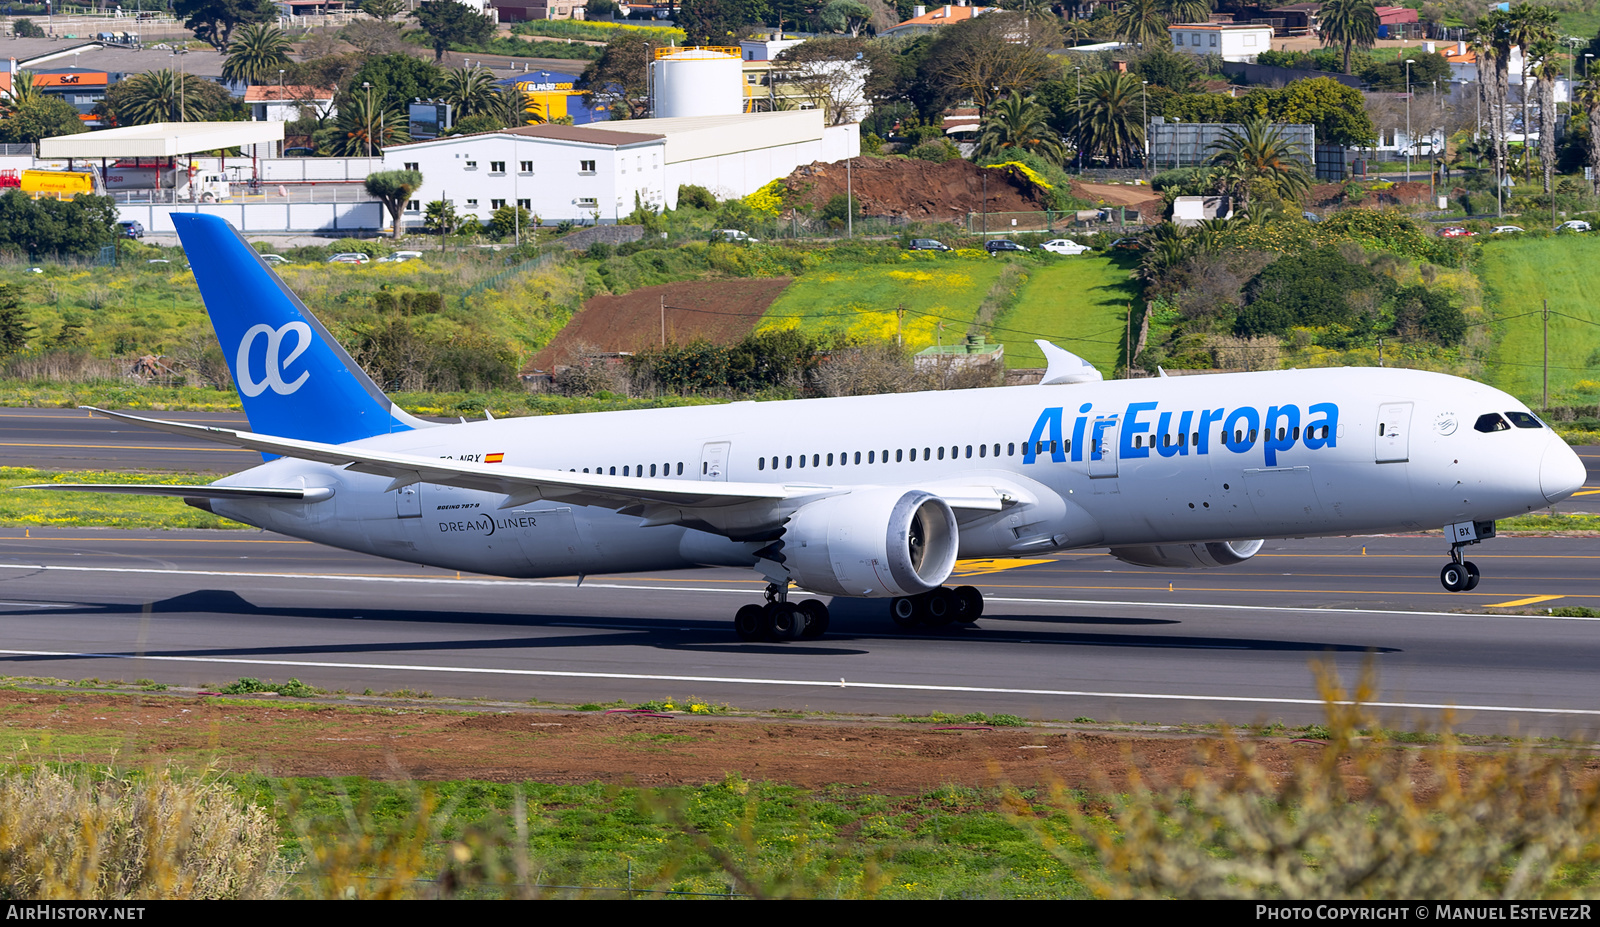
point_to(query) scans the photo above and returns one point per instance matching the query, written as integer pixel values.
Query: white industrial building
(592, 173)
(1238, 42)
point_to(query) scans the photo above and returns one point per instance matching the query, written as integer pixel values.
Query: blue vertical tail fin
(294, 379)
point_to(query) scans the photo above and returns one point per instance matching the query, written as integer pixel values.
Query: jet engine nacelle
(872, 542)
(1188, 556)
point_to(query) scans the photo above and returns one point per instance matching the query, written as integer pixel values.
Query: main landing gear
(1460, 575)
(937, 608)
(780, 619)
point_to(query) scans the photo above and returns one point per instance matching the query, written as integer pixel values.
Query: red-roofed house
(1398, 21)
(925, 22)
(271, 103)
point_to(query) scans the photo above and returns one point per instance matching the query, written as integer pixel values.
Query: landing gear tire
(1455, 577)
(787, 621)
(750, 623)
(1472, 575)
(969, 604)
(937, 608)
(904, 611)
(816, 618)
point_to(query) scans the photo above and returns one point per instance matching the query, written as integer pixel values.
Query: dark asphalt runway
(1075, 635)
(73, 439)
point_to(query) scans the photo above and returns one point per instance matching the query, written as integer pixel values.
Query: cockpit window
(1491, 421)
(1524, 420)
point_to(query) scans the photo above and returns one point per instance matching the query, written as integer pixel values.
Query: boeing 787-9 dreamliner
(868, 496)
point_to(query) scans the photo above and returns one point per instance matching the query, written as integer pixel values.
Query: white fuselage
(1118, 463)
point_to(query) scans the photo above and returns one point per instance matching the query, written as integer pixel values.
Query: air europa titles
(1141, 428)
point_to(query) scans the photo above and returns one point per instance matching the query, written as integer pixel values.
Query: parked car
(1456, 231)
(1126, 244)
(1064, 246)
(1504, 230)
(349, 257)
(1002, 244)
(1573, 225)
(275, 259)
(928, 244)
(400, 257)
(735, 235)
(132, 228)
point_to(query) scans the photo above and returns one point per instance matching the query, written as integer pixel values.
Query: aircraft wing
(661, 501)
(522, 485)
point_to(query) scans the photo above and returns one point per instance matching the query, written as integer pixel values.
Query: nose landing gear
(1461, 575)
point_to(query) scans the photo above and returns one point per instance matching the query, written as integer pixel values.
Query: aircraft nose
(1561, 473)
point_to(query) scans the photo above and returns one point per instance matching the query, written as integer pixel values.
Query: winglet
(1065, 366)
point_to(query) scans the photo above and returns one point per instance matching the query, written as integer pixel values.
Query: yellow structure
(59, 184)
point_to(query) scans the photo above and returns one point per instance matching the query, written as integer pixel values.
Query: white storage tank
(697, 82)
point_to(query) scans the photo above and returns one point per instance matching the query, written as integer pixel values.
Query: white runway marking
(813, 683)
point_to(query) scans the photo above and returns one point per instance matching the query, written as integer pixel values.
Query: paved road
(1073, 636)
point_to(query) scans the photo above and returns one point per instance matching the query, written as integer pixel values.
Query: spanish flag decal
(494, 458)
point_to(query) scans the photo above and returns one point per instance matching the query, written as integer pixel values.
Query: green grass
(1079, 303)
(44, 508)
(954, 842)
(860, 300)
(1555, 523)
(1517, 276)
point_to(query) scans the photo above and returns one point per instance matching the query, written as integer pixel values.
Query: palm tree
(355, 126)
(471, 91)
(1527, 27)
(1140, 21)
(256, 53)
(1257, 152)
(512, 107)
(1547, 72)
(1020, 122)
(1492, 45)
(1589, 99)
(155, 96)
(1351, 23)
(23, 92)
(1187, 11)
(1113, 124)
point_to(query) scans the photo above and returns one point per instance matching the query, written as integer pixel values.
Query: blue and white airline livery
(870, 496)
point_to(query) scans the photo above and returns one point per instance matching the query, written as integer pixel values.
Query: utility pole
(1127, 344)
(1380, 352)
(663, 320)
(1546, 404)
(849, 201)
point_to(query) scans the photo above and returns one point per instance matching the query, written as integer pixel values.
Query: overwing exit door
(714, 461)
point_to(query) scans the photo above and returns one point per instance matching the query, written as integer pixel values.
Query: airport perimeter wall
(322, 218)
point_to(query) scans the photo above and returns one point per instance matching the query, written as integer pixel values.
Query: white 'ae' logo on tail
(275, 364)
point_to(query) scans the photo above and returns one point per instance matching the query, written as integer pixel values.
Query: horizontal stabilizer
(314, 494)
(1065, 367)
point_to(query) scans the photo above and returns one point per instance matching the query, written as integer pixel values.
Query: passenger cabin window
(1523, 420)
(1490, 422)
